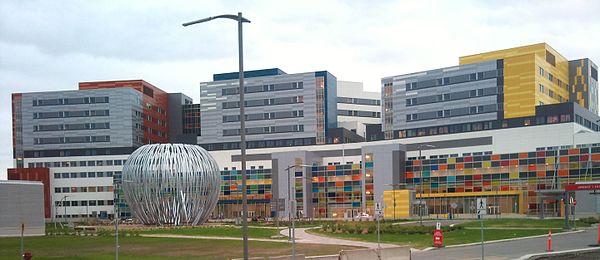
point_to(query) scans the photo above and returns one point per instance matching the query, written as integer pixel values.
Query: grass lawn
(215, 231)
(523, 223)
(506, 228)
(72, 247)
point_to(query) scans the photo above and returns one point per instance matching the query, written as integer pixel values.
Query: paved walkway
(215, 238)
(303, 237)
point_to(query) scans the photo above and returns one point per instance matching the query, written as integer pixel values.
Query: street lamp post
(292, 210)
(240, 21)
(420, 147)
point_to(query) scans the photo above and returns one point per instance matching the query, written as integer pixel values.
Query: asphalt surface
(513, 249)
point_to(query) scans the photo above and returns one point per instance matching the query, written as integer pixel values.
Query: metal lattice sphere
(171, 184)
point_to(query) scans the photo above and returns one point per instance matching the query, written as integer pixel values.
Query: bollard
(549, 240)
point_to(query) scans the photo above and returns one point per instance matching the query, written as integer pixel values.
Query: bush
(589, 220)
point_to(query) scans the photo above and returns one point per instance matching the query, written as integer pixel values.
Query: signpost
(438, 236)
(481, 211)
(378, 213)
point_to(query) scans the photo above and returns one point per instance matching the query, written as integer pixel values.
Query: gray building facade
(78, 123)
(281, 109)
(439, 99)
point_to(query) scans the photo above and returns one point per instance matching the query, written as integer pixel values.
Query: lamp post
(420, 147)
(63, 203)
(292, 210)
(240, 20)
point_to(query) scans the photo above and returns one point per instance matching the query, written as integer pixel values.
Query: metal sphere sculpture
(171, 184)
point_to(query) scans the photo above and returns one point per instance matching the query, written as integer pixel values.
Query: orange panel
(573, 151)
(331, 167)
(563, 172)
(540, 174)
(522, 155)
(356, 177)
(513, 162)
(460, 166)
(417, 162)
(595, 157)
(564, 159)
(495, 157)
(443, 167)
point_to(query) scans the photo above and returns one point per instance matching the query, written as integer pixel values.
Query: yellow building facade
(533, 75)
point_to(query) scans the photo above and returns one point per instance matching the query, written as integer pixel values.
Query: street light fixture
(292, 217)
(240, 21)
(420, 147)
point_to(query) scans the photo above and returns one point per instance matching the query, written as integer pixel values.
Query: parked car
(362, 216)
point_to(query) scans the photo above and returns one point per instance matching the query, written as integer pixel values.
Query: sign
(454, 205)
(378, 209)
(438, 238)
(572, 187)
(481, 206)
(438, 226)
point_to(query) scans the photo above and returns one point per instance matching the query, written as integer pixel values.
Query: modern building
(509, 166)
(356, 107)
(77, 141)
(281, 109)
(22, 207)
(486, 91)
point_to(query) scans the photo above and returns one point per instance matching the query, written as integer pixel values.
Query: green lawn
(426, 240)
(501, 229)
(522, 223)
(72, 247)
(226, 231)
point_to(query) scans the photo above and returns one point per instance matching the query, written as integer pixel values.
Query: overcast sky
(53, 45)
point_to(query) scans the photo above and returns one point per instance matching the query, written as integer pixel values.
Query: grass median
(468, 232)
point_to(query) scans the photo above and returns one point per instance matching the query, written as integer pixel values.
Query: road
(513, 249)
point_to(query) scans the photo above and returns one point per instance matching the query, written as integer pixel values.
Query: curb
(525, 257)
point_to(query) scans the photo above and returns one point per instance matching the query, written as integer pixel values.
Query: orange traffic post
(549, 240)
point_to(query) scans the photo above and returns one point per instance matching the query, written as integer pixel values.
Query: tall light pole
(420, 147)
(292, 210)
(240, 21)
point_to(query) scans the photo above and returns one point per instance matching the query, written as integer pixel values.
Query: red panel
(477, 177)
(504, 187)
(487, 183)
(504, 163)
(468, 159)
(476, 189)
(531, 168)
(584, 157)
(540, 154)
(34, 174)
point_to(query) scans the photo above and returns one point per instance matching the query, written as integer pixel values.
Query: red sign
(570, 187)
(438, 238)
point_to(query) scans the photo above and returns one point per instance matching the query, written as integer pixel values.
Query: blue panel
(434, 167)
(315, 190)
(368, 164)
(355, 204)
(347, 188)
(416, 180)
(451, 178)
(248, 74)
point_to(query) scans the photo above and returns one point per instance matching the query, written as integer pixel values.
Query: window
(541, 88)
(541, 71)
(551, 93)
(550, 77)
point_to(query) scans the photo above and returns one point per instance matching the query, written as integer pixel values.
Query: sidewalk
(215, 238)
(303, 237)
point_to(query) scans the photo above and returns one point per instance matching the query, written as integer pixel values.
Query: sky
(52, 45)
